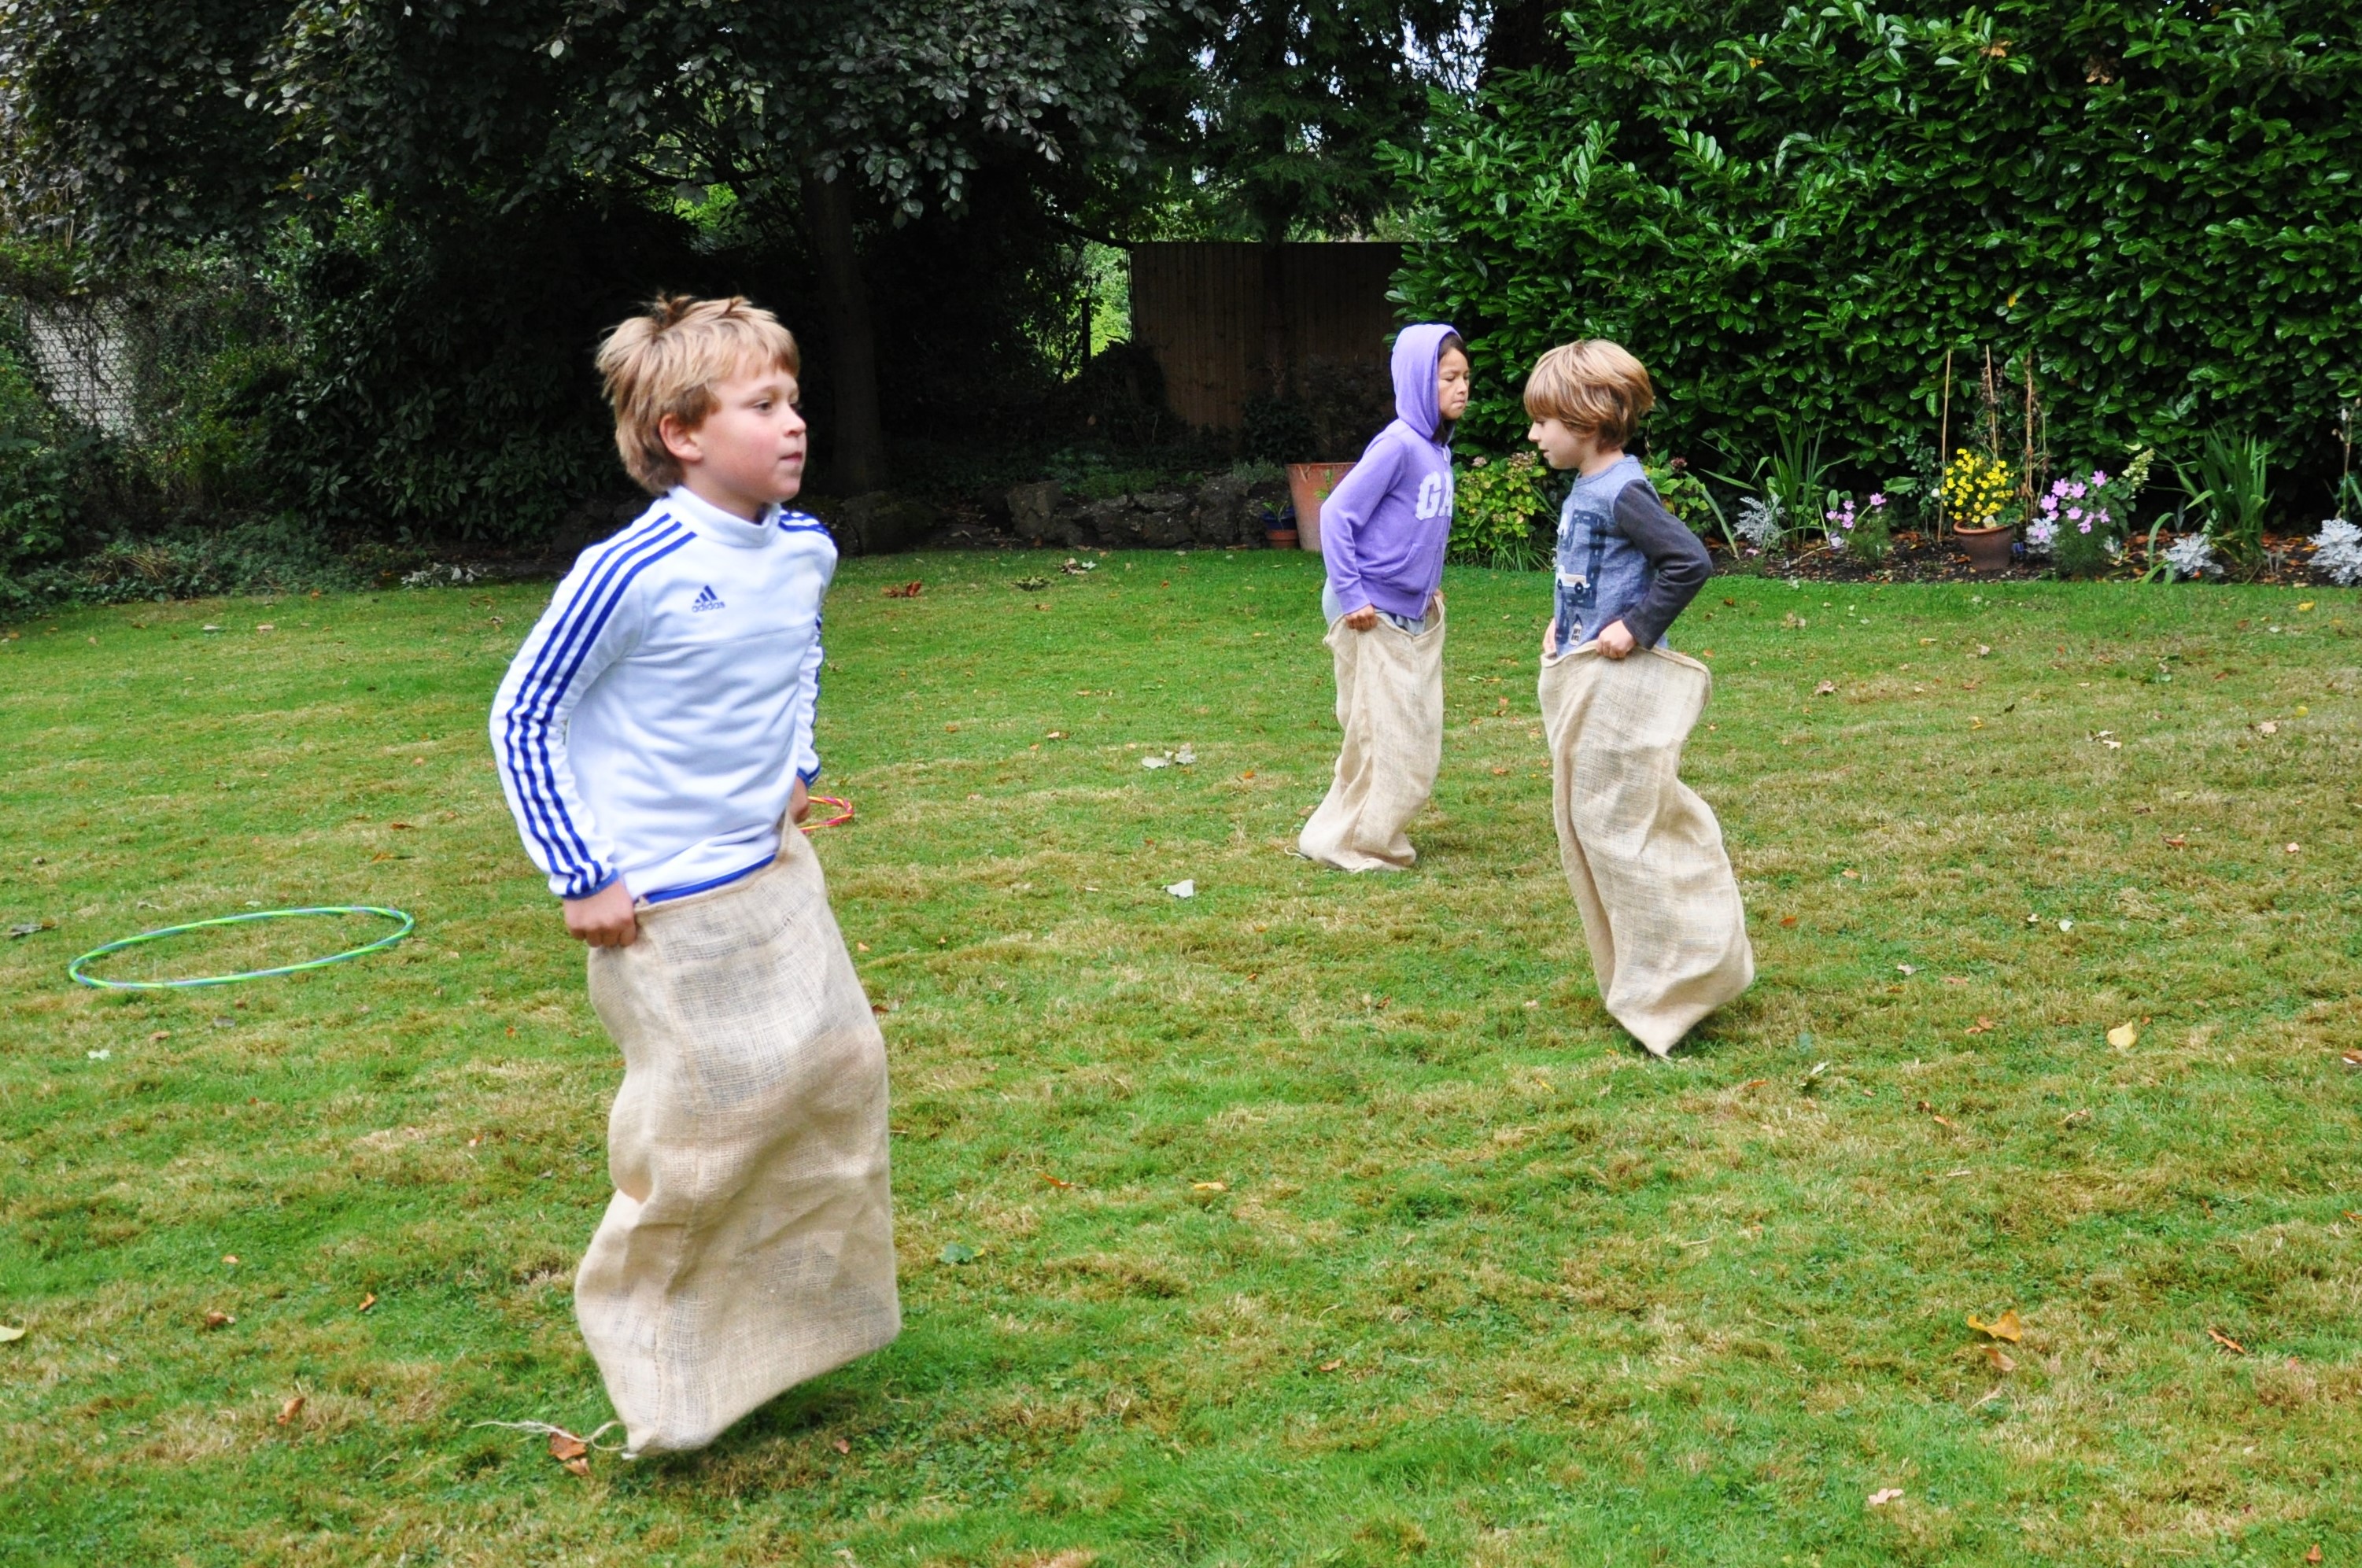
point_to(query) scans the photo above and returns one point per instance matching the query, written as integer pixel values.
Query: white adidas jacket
(654, 724)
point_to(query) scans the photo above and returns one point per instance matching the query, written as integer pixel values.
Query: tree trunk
(1275, 319)
(857, 446)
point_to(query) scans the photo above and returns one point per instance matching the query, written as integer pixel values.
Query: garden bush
(1793, 214)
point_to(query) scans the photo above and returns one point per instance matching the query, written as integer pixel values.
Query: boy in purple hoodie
(1383, 533)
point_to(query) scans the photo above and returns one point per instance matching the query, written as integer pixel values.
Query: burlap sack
(1642, 853)
(1390, 705)
(750, 1244)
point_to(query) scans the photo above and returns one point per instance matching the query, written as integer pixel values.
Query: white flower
(2192, 556)
(2039, 536)
(2337, 552)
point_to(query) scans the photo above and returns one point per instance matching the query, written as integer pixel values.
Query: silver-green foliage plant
(2337, 552)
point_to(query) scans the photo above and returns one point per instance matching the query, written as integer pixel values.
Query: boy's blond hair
(667, 363)
(1593, 387)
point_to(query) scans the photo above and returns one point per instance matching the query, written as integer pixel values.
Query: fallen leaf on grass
(2175, 841)
(2354, 1058)
(906, 591)
(1906, 968)
(10, 1334)
(1956, 980)
(1499, 771)
(2291, 848)
(1209, 1186)
(956, 1253)
(292, 1408)
(1940, 1120)
(1184, 888)
(219, 1319)
(2006, 1327)
(159, 1034)
(578, 1465)
(1332, 1366)
(2226, 1341)
(2314, 1555)
(841, 1446)
(231, 1258)
(2000, 1359)
(1061, 1183)
(1884, 1495)
(1787, 919)
(2267, 728)
(2075, 1117)
(367, 1301)
(1824, 689)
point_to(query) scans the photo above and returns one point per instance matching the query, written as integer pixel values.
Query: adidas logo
(706, 600)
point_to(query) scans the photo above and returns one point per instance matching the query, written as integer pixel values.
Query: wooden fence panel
(1200, 307)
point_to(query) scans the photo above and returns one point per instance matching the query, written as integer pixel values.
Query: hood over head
(1416, 349)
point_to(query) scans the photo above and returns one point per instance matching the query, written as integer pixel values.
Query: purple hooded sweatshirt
(1384, 528)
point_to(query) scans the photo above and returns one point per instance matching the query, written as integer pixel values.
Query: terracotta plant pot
(1280, 538)
(1309, 484)
(1988, 549)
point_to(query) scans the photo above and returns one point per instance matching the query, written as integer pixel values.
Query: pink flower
(2077, 491)
(2098, 478)
(2073, 512)
(2083, 527)
(1876, 498)
(2059, 486)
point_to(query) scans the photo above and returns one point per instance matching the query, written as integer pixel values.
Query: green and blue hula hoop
(406, 927)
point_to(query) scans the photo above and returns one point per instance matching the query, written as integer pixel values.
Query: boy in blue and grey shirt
(1643, 854)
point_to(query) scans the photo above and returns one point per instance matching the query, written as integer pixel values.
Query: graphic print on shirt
(1434, 496)
(707, 600)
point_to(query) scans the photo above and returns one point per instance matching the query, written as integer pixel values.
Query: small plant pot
(1308, 485)
(1988, 549)
(1281, 538)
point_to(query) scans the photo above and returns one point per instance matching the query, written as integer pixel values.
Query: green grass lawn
(1314, 1220)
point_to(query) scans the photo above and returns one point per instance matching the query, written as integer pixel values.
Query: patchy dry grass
(1480, 1284)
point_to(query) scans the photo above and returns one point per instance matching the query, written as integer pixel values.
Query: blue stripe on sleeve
(544, 807)
(582, 651)
(585, 636)
(537, 695)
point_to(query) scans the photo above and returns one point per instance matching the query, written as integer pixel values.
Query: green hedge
(1790, 214)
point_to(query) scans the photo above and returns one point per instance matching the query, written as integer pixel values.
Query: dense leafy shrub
(440, 380)
(1499, 506)
(38, 474)
(1792, 215)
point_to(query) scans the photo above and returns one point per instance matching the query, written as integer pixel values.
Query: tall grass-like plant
(2230, 487)
(1790, 483)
